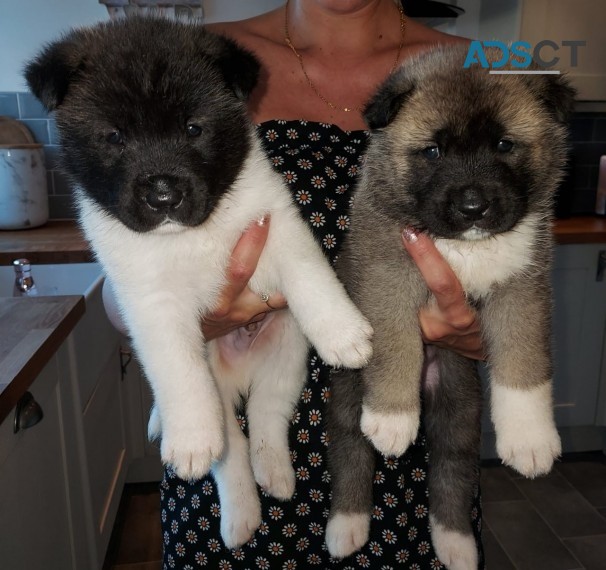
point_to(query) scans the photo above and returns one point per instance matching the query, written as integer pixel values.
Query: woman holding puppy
(322, 60)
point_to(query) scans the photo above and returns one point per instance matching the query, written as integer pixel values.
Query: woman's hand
(238, 306)
(449, 322)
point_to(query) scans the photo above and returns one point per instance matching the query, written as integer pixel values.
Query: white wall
(25, 25)
(488, 20)
(225, 10)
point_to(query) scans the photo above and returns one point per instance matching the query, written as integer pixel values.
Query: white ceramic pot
(23, 188)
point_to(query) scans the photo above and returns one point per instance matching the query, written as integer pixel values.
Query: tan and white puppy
(474, 160)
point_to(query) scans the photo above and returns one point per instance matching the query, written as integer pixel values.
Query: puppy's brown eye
(431, 152)
(194, 130)
(504, 145)
(115, 137)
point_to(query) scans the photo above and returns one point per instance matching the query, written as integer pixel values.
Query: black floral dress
(320, 163)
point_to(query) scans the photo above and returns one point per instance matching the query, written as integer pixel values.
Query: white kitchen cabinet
(579, 341)
(42, 511)
(559, 20)
(145, 465)
(579, 336)
(61, 480)
(94, 351)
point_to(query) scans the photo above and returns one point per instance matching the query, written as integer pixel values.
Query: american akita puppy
(474, 160)
(168, 173)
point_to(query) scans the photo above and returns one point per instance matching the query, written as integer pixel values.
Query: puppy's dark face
(464, 154)
(151, 115)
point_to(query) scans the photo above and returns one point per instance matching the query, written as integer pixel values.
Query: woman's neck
(354, 29)
(347, 47)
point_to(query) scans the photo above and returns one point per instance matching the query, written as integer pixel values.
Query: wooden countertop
(31, 331)
(59, 241)
(62, 241)
(580, 229)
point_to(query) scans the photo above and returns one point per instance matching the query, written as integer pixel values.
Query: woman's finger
(438, 275)
(243, 263)
(448, 322)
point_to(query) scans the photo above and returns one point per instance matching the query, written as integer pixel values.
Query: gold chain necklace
(311, 83)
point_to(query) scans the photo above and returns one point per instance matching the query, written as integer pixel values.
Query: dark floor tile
(525, 537)
(137, 535)
(589, 478)
(157, 565)
(590, 550)
(497, 485)
(565, 510)
(495, 556)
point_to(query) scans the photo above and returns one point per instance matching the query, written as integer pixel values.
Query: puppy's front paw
(347, 345)
(457, 551)
(191, 453)
(527, 438)
(390, 433)
(274, 472)
(240, 519)
(346, 533)
(530, 450)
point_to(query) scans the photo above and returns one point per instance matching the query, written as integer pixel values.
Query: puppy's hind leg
(280, 370)
(453, 432)
(351, 464)
(240, 505)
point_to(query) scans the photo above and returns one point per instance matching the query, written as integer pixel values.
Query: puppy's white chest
(481, 264)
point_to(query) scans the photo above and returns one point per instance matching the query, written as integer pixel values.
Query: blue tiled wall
(26, 108)
(588, 135)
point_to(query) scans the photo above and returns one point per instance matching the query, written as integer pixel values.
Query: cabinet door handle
(601, 266)
(126, 355)
(27, 413)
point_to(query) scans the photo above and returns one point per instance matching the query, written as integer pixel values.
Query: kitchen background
(25, 26)
(93, 440)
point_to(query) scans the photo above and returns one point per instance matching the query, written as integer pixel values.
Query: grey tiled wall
(26, 108)
(588, 136)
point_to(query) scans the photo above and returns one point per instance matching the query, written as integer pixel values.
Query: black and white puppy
(168, 173)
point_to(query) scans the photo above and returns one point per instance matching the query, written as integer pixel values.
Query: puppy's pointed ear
(556, 93)
(50, 74)
(387, 101)
(239, 67)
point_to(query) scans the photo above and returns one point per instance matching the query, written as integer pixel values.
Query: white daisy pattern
(329, 241)
(320, 165)
(343, 222)
(317, 219)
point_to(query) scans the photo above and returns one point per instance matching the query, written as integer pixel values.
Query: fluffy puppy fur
(474, 160)
(168, 173)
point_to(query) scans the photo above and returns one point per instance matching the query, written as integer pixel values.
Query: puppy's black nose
(162, 193)
(472, 204)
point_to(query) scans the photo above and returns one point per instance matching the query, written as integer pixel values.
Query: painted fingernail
(410, 235)
(263, 220)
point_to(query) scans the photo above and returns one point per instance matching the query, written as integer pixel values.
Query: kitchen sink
(57, 279)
